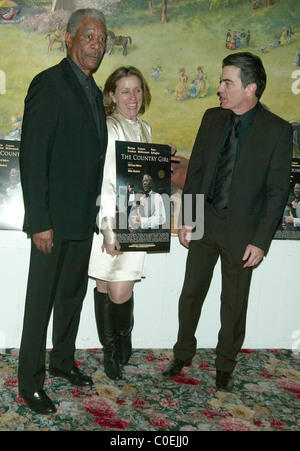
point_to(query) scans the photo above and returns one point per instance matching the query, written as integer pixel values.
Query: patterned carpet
(266, 396)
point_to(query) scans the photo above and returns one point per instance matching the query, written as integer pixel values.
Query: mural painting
(177, 44)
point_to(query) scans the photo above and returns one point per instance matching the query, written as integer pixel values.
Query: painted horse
(118, 41)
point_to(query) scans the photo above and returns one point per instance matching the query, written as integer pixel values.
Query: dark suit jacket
(260, 181)
(61, 155)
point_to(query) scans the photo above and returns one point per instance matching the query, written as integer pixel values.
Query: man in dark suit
(64, 139)
(242, 208)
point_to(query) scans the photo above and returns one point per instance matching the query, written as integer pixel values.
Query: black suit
(257, 198)
(61, 160)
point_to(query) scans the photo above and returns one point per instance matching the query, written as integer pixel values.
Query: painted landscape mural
(177, 44)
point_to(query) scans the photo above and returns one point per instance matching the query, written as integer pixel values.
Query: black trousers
(56, 282)
(202, 257)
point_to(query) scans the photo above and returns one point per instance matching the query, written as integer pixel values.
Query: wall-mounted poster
(143, 196)
(11, 198)
(289, 226)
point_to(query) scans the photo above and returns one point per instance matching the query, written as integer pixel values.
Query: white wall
(273, 315)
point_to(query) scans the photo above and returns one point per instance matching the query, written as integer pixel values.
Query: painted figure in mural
(289, 34)
(61, 162)
(57, 36)
(181, 91)
(243, 36)
(283, 38)
(238, 225)
(296, 61)
(232, 43)
(228, 37)
(248, 38)
(126, 97)
(155, 74)
(15, 132)
(238, 40)
(200, 82)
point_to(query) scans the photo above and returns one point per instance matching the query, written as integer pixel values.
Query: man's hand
(185, 235)
(253, 255)
(44, 241)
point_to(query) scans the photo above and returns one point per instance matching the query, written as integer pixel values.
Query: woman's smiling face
(128, 96)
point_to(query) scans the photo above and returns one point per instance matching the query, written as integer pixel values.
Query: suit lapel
(102, 118)
(215, 142)
(252, 143)
(78, 91)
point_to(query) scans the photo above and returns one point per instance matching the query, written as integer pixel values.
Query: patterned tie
(225, 168)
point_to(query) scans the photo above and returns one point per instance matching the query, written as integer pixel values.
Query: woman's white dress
(129, 265)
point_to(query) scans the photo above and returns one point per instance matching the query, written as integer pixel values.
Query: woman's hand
(173, 153)
(112, 249)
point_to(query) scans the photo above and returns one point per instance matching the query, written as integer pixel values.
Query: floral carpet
(266, 396)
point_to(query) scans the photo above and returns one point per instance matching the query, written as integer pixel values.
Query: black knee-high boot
(124, 319)
(107, 335)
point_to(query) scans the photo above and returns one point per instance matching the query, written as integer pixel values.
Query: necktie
(225, 168)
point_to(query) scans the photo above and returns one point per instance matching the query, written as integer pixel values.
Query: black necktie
(225, 168)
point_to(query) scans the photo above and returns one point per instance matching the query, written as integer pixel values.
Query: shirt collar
(85, 81)
(248, 117)
(81, 75)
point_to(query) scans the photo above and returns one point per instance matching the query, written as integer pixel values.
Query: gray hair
(77, 17)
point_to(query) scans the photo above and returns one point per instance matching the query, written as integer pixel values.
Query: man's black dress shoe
(75, 376)
(224, 381)
(38, 401)
(174, 367)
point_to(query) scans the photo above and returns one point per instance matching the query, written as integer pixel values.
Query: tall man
(63, 146)
(244, 199)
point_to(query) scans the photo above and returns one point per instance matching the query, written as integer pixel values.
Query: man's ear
(69, 39)
(251, 89)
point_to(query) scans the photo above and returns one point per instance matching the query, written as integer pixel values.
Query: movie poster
(143, 196)
(11, 198)
(289, 226)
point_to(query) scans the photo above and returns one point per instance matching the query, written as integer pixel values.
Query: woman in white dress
(126, 96)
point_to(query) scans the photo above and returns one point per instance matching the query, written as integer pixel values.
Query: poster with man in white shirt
(143, 222)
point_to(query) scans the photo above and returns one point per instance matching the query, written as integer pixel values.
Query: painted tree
(214, 4)
(150, 6)
(164, 5)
